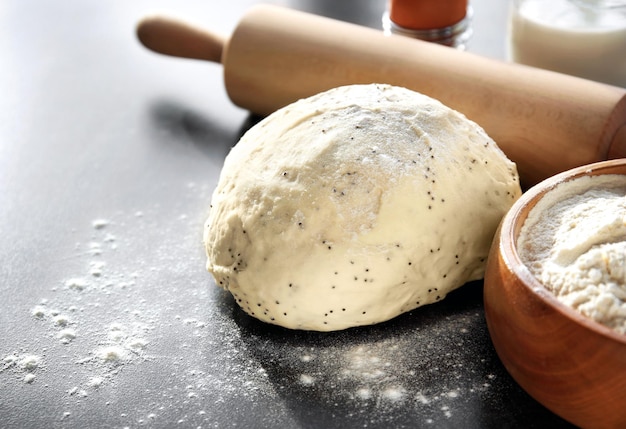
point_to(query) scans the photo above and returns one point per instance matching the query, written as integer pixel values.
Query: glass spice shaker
(447, 22)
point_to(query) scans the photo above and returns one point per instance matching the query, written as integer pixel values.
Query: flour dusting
(574, 243)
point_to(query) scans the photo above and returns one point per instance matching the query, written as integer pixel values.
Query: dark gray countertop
(108, 157)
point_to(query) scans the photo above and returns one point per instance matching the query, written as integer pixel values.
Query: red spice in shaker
(441, 21)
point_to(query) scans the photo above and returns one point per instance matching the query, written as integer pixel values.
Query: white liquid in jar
(562, 36)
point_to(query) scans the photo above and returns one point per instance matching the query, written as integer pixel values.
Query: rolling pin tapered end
(169, 36)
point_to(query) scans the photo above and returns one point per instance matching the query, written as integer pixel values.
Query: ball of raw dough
(355, 205)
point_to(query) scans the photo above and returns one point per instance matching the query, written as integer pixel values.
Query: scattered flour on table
(25, 364)
(95, 325)
(395, 373)
(75, 315)
(306, 379)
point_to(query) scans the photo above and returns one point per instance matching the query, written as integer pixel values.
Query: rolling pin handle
(169, 36)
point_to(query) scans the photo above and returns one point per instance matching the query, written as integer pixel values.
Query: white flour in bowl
(574, 242)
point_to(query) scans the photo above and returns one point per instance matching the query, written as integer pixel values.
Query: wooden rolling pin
(544, 121)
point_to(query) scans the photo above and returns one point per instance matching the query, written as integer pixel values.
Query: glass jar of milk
(585, 38)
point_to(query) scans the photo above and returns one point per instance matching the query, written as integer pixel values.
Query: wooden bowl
(571, 364)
